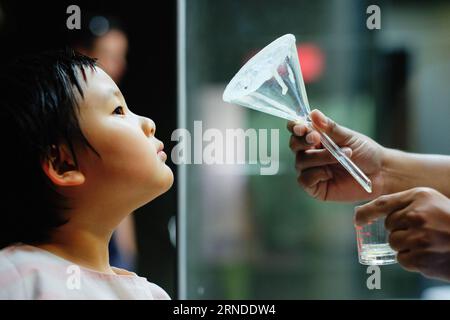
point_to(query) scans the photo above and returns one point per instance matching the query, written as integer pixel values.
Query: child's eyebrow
(117, 93)
(114, 92)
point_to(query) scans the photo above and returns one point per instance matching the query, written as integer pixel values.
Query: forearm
(402, 171)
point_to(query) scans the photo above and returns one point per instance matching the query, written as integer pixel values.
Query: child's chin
(169, 179)
(165, 180)
(158, 187)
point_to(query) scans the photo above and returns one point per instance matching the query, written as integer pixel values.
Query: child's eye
(119, 110)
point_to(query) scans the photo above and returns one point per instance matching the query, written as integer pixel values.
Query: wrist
(392, 170)
(402, 170)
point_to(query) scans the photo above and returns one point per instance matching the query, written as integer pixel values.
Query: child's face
(131, 169)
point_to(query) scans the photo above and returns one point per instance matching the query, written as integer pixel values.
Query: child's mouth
(161, 154)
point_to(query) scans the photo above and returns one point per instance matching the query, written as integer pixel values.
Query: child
(76, 162)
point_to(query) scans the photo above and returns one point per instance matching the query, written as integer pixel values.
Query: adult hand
(419, 223)
(321, 175)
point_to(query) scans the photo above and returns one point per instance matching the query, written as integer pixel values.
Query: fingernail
(323, 118)
(297, 130)
(347, 151)
(309, 139)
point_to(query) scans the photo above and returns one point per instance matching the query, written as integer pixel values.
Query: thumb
(338, 133)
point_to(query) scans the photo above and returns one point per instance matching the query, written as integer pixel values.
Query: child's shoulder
(28, 272)
(15, 256)
(157, 292)
(19, 256)
(13, 263)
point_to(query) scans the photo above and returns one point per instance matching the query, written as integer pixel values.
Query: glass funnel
(272, 82)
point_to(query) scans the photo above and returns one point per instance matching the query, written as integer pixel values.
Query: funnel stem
(348, 164)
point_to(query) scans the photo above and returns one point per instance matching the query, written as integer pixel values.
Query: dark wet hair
(39, 97)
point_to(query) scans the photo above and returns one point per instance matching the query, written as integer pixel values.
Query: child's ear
(60, 167)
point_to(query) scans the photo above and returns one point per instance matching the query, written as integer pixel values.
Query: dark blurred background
(149, 86)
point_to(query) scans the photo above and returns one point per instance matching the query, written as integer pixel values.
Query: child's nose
(148, 126)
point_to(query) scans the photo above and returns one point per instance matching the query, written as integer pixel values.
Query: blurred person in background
(411, 190)
(104, 38)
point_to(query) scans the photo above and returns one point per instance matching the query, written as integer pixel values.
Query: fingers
(396, 221)
(429, 263)
(305, 142)
(290, 125)
(398, 240)
(311, 181)
(311, 177)
(404, 219)
(408, 260)
(419, 240)
(298, 128)
(303, 137)
(339, 134)
(409, 240)
(382, 206)
(317, 158)
(309, 137)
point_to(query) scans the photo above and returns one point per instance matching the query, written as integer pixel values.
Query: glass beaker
(373, 244)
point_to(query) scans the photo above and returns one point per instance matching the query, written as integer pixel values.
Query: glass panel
(253, 236)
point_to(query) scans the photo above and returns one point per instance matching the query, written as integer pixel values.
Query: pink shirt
(28, 272)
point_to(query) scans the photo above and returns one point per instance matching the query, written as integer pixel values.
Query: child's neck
(84, 247)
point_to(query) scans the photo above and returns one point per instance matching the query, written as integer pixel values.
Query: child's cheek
(124, 149)
(136, 151)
